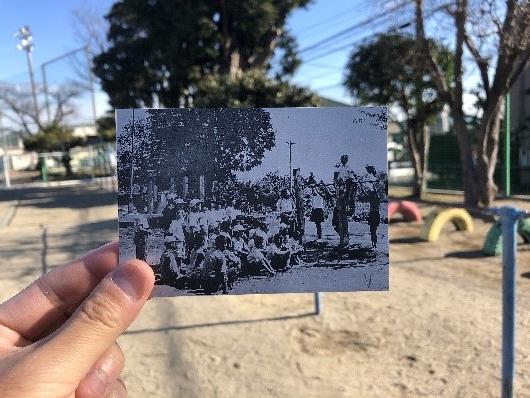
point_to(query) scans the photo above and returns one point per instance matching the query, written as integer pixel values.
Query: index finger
(53, 297)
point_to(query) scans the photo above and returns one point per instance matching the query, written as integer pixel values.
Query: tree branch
(439, 81)
(481, 62)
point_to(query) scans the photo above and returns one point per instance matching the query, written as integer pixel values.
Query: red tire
(393, 208)
(410, 211)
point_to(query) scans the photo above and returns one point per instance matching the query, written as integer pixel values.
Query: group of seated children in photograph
(209, 245)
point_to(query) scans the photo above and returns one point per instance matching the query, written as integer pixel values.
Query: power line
(355, 26)
(322, 66)
(399, 27)
(335, 49)
(327, 87)
(320, 75)
(334, 17)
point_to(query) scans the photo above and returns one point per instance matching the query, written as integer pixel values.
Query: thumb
(99, 320)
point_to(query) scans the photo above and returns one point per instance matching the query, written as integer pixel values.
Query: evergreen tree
(200, 53)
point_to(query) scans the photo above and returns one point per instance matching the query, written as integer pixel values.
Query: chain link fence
(93, 161)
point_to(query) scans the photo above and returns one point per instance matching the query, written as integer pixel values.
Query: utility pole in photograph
(26, 44)
(290, 143)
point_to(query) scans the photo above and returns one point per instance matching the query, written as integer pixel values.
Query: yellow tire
(435, 221)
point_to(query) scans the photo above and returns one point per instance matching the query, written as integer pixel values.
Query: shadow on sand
(222, 323)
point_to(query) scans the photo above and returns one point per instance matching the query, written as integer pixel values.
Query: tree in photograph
(199, 52)
(386, 69)
(138, 153)
(233, 139)
(497, 37)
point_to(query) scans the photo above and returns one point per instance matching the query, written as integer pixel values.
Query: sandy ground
(435, 333)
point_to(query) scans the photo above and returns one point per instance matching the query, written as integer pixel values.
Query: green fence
(446, 171)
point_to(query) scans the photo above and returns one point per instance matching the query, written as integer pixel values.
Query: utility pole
(26, 44)
(290, 143)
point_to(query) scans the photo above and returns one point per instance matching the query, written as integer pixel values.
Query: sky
(53, 27)
(321, 136)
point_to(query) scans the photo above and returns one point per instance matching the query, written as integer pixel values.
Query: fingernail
(97, 383)
(128, 281)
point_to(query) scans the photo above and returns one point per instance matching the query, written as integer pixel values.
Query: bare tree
(90, 28)
(497, 39)
(20, 112)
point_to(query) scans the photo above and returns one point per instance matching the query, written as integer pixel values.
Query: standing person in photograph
(192, 224)
(176, 229)
(317, 212)
(343, 179)
(168, 214)
(285, 209)
(141, 234)
(374, 217)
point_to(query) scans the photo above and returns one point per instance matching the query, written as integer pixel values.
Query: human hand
(58, 335)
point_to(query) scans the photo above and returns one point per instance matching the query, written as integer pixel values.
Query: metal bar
(509, 242)
(507, 146)
(88, 55)
(318, 303)
(64, 55)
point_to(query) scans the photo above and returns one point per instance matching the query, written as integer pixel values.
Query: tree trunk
(66, 159)
(416, 157)
(425, 162)
(469, 174)
(487, 152)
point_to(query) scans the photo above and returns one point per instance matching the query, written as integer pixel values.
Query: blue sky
(53, 28)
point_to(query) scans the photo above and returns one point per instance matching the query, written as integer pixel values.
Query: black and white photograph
(241, 201)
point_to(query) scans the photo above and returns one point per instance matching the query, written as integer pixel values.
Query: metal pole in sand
(318, 303)
(509, 217)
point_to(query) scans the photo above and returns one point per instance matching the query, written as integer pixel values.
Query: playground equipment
(493, 242)
(409, 210)
(431, 229)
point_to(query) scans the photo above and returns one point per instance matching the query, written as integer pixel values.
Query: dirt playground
(436, 333)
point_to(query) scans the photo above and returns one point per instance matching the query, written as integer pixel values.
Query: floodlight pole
(26, 44)
(32, 80)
